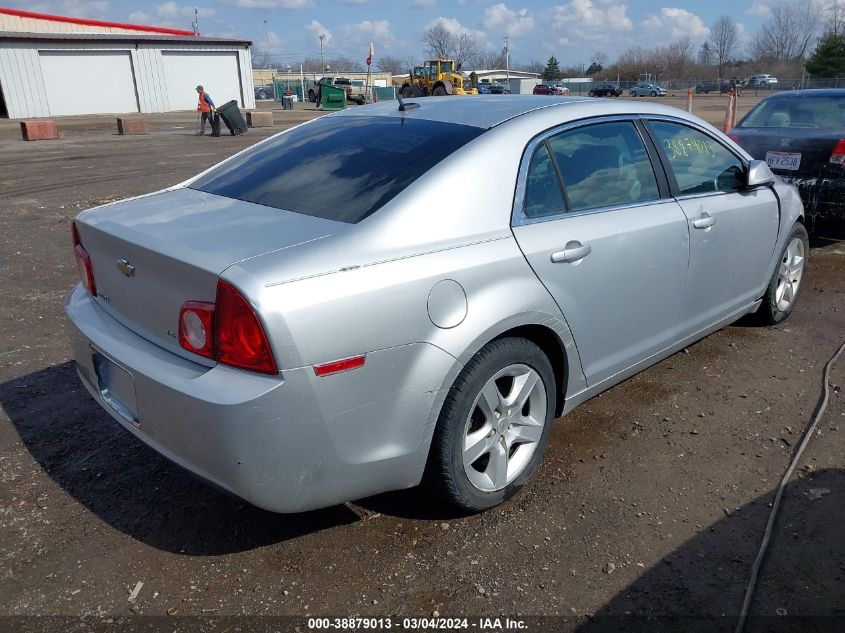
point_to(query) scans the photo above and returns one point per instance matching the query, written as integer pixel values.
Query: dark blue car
(801, 135)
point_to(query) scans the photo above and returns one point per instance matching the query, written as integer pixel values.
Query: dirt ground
(650, 503)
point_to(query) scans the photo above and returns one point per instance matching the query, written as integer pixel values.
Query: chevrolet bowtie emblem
(125, 267)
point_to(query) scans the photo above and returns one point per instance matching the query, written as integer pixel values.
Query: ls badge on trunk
(125, 267)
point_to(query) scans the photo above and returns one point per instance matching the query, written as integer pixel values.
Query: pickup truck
(353, 92)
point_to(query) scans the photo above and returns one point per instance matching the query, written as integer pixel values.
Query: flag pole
(368, 91)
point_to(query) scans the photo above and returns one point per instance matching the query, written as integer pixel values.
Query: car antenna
(405, 106)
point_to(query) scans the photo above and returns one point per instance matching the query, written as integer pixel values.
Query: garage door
(88, 82)
(218, 73)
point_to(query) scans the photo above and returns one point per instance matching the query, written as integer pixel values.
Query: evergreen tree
(828, 60)
(552, 71)
(594, 68)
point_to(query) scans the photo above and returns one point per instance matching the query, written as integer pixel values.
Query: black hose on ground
(808, 433)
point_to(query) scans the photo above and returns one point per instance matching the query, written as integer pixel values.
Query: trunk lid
(152, 254)
(815, 149)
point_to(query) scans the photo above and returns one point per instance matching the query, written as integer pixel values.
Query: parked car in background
(801, 135)
(761, 81)
(560, 90)
(647, 90)
(706, 87)
(483, 89)
(543, 89)
(301, 326)
(265, 92)
(499, 89)
(606, 90)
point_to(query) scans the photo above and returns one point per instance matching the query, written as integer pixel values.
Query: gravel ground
(651, 500)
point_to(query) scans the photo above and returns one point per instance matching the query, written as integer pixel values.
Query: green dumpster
(332, 97)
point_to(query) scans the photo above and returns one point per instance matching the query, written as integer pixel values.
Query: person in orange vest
(205, 107)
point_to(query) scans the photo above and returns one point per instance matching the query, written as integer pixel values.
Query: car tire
(409, 92)
(506, 392)
(653, 93)
(633, 93)
(785, 284)
(439, 91)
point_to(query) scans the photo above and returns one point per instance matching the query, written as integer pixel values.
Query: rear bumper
(285, 443)
(823, 198)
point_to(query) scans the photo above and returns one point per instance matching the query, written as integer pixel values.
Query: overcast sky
(573, 31)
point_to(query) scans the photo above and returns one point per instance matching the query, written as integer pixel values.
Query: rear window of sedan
(337, 168)
(798, 112)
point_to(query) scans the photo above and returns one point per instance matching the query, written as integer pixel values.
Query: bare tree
(599, 59)
(438, 41)
(493, 61)
(395, 65)
(464, 49)
(724, 37)
(788, 33)
(344, 64)
(534, 66)
(677, 58)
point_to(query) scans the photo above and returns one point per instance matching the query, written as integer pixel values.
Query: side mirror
(759, 174)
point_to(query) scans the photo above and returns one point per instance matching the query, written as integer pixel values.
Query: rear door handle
(573, 252)
(704, 222)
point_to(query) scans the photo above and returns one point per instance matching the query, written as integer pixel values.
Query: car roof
(488, 111)
(478, 110)
(809, 93)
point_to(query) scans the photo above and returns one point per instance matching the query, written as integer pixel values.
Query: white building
(54, 65)
(520, 82)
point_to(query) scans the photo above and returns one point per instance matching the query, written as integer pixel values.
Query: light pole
(507, 58)
(266, 45)
(322, 64)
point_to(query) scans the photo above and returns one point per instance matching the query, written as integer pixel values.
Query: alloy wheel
(504, 427)
(790, 274)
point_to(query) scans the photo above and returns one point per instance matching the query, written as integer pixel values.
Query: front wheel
(782, 292)
(653, 93)
(494, 425)
(440, 91)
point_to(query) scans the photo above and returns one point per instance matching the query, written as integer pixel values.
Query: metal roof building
(55, 65)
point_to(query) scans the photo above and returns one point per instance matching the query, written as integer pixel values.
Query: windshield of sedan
(798, 112)
(337, 168)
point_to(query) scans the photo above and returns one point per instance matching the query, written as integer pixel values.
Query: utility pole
(322, 64)
(196, 23)
(507, 58)
(266, 45)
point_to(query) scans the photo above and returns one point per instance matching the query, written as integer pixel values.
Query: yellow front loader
(436, 78)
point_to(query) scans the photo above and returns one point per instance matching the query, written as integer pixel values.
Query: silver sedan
(386, 296)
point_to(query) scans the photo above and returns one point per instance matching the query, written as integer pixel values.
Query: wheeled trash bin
(232, 117)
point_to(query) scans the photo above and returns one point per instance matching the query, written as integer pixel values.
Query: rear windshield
(798, 112)
(337, 168)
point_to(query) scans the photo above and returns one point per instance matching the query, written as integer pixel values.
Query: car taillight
(83, 263)
(838, 155)
(239, 338)
(227, 331)
(196, 332)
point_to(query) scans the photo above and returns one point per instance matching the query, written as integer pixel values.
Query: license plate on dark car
(783, 160)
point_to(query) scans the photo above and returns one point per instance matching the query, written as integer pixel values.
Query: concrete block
(259, 119)
(132, 125)
(39, 130)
